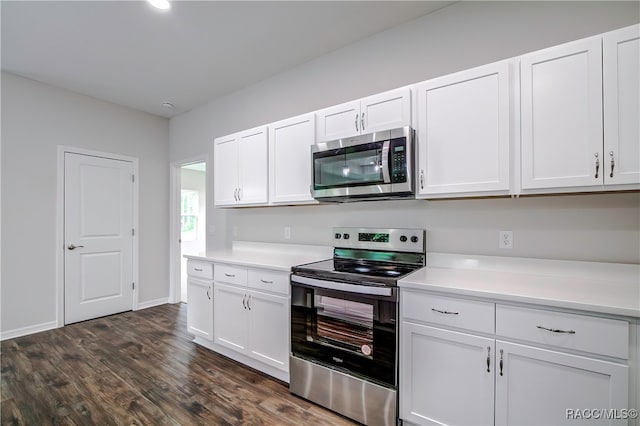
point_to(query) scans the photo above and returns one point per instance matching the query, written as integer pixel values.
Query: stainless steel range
(344, 328)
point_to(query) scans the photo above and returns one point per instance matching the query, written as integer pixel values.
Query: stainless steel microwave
(373, 166)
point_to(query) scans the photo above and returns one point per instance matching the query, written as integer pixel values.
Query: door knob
(72, 247)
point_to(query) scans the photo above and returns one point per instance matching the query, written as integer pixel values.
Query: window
(189, 208)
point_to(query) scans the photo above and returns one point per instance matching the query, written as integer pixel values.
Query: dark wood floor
(140, 368)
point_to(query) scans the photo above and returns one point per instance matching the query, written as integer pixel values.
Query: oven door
(344, 330)
(351, 166)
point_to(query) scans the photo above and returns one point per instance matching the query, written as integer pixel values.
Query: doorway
(193, 217)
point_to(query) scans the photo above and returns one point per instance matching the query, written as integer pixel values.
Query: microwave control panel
(398, 153)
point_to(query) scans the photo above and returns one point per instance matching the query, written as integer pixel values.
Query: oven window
(362, 167)
(345, 323)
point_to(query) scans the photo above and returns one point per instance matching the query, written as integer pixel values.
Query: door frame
(174, 220)
(60, 249)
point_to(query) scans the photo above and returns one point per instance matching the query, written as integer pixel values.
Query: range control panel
(409, 240)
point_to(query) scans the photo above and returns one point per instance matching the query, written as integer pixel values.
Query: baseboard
(19, 332)
(151, 303)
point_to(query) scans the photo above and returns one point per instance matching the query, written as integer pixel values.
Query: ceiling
(131, 54)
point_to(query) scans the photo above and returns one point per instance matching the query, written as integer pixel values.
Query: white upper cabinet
(561, 89)
(289, 160)
(464, 132)
(383, 111)
(225, 167)
(621, 78)
(252, 152)
(240, 168)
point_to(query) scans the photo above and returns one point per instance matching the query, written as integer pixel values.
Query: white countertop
(608, 288)
(279, 257)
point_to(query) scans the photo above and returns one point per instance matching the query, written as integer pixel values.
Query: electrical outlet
(212, 229)
(287, 232)
(505, 240)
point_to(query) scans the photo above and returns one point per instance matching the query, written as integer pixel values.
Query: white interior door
(98, 229)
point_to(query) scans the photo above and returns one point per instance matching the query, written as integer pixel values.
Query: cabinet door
(200, 308)
(269, 329)
(253, 180)
(539, 386)
(289, 160)
(444, 377)
(464, 124)
(225, 170)
(384, 111)
(340, 121)
(230, 319)
(562, 116)
(621, 51)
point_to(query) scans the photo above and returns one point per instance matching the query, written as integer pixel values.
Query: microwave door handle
(386, 176)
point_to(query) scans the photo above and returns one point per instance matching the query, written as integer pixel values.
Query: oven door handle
(334, 285)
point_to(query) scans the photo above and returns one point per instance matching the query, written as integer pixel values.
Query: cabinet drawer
(448, 311)
(277, 282)
(200, 269)
(230, 274)
(571, 331)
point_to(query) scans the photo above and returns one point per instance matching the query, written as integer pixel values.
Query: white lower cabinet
(251, 314)
(230, 317)
(200, 299)
(449, 376)
(544, 387)
(445, 379)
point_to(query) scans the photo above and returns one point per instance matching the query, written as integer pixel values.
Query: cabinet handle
(613, 163)
(445, 312)
(501, 362)
(249, 302)
(597, 165)
(244, 301)
(229, 275)
(488, 359)
(266, 282)
(235, 194)
(421, 179)
(208, 290)
(362, 121)
(357, 122)
(197, 269)
(556, 330)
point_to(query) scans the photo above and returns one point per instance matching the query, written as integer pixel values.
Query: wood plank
(140, 368)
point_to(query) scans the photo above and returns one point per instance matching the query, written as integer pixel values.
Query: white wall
(464, 35)
(36, 118)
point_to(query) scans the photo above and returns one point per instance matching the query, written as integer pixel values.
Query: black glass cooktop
(361, 272)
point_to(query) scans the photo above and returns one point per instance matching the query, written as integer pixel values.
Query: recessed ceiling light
(160, 4)
(167, 105)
